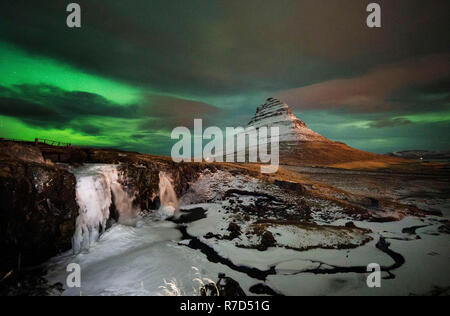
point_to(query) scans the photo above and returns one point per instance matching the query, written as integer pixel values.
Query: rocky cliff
(37, 210)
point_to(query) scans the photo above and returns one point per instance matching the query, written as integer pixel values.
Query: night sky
(137, 69)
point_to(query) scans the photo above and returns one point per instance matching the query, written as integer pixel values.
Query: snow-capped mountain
(276, 113)
(301, 145)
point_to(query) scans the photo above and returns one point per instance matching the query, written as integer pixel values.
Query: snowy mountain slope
(298, 144)
(275, 113)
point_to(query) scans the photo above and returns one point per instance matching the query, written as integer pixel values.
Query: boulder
(267, 241)
(226, 286)
(235, 231)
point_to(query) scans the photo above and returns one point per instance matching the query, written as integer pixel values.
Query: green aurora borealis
(20, 68)
(131, 89)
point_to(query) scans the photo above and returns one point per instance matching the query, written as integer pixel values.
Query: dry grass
(364, 165)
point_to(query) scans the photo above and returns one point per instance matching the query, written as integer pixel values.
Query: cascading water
(97, 187)
(128, 260)
(167, 196)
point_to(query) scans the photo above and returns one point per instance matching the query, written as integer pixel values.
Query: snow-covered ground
(149, 259)
(138, 261)
(154, 257)
(425, 269)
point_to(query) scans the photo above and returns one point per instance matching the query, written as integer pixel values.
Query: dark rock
(433, 212)
(262, 289)
(366, 202)
(225, 287)
(31, 283)
(235, 231)
(209, 235)
(229, 287)
(141, 177)
(267, 241)
(292, 186)
(372, 202)
(189, 216)
(37, 212)
(154, 204)
(350, 225)
(412, 230)
(444, 229)
(113, 214)
(238, 192)
(234, 228)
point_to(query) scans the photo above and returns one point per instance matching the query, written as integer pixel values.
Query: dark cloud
(375, 91)
(164, 106)
(48, 106)
(416, 101)
(223, 47)
(436, 87)
(165, 113)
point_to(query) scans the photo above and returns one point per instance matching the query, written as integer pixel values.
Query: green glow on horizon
(433, 117)
(116, 132)
(19, 67)
(10, 126)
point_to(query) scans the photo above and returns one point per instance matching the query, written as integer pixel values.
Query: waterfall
(167, 196)
(97, 188)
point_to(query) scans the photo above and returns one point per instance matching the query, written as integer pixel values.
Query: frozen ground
(139, 261)
(256, 233)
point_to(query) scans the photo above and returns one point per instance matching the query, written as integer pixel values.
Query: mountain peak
(274, 107)
(277, 113)
(299, 145)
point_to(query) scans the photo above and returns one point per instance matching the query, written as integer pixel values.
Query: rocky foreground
(228, 213)
(39, 207)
